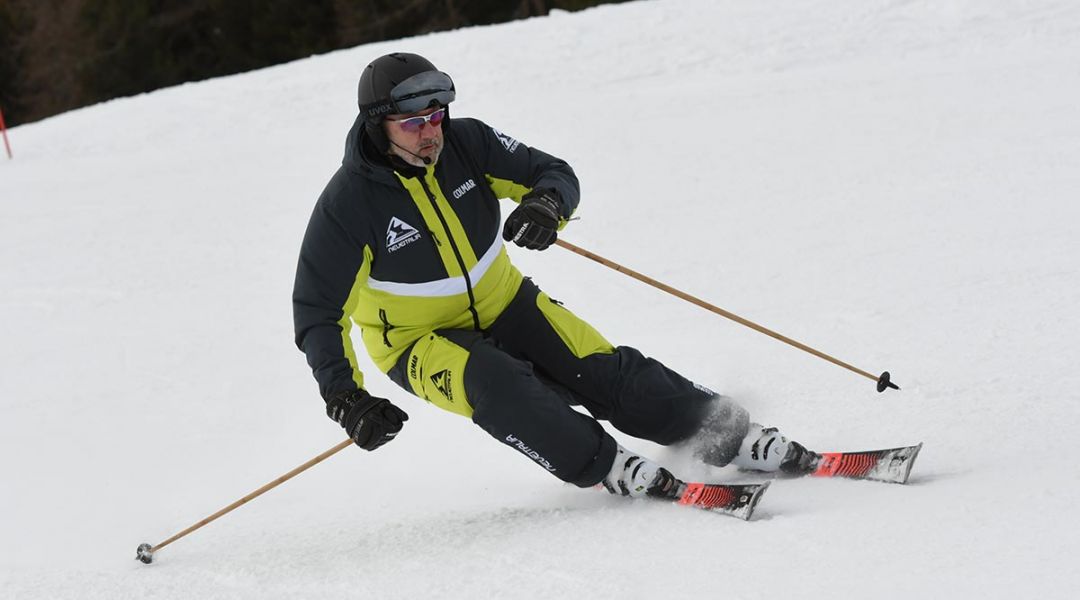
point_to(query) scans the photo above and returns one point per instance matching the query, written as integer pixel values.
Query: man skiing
(406, 241)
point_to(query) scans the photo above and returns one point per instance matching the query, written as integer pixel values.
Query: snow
(886, 181)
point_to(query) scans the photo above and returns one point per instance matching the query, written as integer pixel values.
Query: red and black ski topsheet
(892, 465)
(737, 500)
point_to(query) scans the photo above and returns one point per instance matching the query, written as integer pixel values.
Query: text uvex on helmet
(402, 83)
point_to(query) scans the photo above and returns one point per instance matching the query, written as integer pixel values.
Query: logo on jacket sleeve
(508, 142)
(400, 234)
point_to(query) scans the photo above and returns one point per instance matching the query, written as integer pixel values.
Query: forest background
(57, 55)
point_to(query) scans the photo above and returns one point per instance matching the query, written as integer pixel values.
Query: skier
(406, 241)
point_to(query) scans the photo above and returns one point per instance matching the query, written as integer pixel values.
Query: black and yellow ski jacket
(406, 251)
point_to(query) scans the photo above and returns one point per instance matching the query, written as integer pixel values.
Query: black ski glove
(535, 222)
(370, 421)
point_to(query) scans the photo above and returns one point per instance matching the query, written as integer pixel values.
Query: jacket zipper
(457, 253)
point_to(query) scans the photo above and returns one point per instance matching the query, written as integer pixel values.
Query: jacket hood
(360, 155)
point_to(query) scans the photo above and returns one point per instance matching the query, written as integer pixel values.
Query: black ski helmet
(400, 83)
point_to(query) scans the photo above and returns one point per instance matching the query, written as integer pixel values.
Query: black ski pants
(519, 378)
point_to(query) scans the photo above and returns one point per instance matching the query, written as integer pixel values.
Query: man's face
(412, 136)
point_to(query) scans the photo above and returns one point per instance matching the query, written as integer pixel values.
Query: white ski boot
(636, 476)
(765, 449)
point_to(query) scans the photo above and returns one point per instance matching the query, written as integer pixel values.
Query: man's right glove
(370, 421)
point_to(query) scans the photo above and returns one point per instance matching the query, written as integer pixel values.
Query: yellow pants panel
(436, 372)
(579, 336)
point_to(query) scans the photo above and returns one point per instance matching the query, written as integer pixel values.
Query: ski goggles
(415, 94)
(413, 124)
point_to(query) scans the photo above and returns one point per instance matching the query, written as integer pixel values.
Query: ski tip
(911, 462)
(734, 499)
(764, 486)
(754, 499)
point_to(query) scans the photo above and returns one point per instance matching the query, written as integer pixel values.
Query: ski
(737, 500)
(891, 466)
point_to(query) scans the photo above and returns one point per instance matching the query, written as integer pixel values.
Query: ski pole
(883, 381)
(145, 552)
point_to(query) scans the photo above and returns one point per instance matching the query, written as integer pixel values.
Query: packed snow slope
(892, 182)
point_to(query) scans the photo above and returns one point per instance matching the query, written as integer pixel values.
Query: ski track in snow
(893, 183)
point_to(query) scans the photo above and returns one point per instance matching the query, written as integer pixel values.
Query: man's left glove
(370, 421)
(535, 222)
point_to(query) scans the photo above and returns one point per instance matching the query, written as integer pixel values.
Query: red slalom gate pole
(3, 130)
